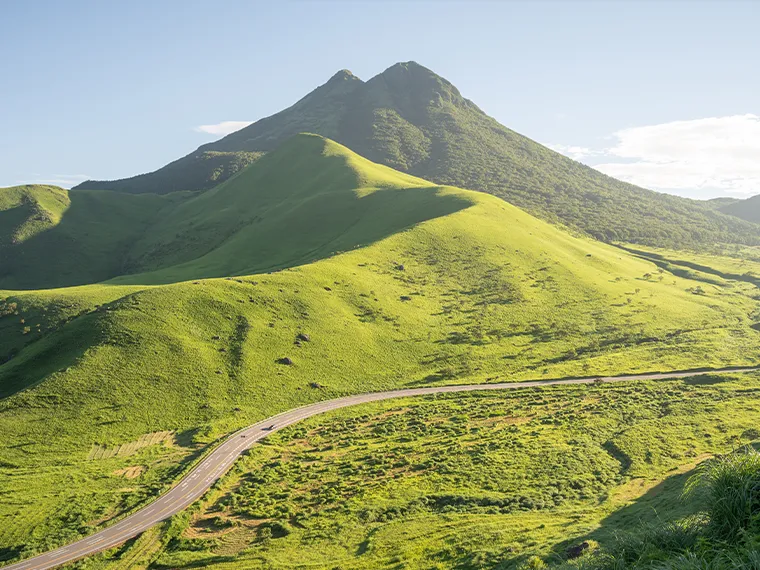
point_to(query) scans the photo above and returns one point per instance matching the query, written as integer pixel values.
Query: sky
(662, 94)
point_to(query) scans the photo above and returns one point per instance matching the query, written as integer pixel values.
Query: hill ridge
(306, 199)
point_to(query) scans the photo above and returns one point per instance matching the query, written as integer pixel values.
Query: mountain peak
(408, 80)
(344, 75)
(407, 66)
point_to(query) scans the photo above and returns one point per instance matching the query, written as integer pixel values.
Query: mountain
(115, 388)
(720, 202)
(748, 209)
(415, 121)
(200, 170)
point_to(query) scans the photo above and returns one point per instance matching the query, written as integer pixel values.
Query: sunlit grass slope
(483, 293)
(308, 199)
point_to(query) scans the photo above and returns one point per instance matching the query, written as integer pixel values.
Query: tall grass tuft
(730, 486)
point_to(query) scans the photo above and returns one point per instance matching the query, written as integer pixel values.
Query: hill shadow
(89, 244)
(48, 355)
(94, 238)
(661, 503)
(301, 231)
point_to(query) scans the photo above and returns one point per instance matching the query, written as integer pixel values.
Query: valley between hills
(376, 236)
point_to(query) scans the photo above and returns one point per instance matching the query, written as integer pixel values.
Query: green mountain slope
(748, 209)
(51, 237)
(411, 119)
(99, 374)
(200, 170)
(308, 199)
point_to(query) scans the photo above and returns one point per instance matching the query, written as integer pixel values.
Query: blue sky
(662, 94)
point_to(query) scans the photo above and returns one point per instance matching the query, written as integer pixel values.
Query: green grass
(415, 121)
(50, 237)
(735, 263)
(467, 481)
(722, 534)
(309, 199)
(445, 286)
(200, 170)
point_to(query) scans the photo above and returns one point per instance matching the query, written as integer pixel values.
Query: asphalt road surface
(216, 464)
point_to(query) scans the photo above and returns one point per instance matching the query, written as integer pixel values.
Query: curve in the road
(216, 463)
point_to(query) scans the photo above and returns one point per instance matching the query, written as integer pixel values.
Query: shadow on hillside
(304, 231)
(48, 355)
(661, 503)
(93, 241)
(88, 245)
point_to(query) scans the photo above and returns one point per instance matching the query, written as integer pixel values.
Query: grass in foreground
(724, 533)
(468, 481)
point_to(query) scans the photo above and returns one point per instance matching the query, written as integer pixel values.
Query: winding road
(215, 464)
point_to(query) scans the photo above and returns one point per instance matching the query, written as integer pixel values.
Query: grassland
(51, 237)
(425, 285)
(470, 481)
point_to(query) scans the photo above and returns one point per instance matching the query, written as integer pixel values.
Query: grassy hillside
(113, 388)
(412, 120)
(308, 199)
(477, 481)
(51, 237)
(485, 293)
(199, 170)
(748, 209)
(25, 211)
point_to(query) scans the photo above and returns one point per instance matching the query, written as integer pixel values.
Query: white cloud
(223, 128)
(718, 154)
(63, 180)
(576, 152)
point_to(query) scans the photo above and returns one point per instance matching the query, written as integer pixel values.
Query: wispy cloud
(576, 152)
(719, 154)
(223, 128)
(63, 180)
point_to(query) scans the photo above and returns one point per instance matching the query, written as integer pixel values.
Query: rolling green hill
(412, 120)
(112, 388)
(199, 170)
(51, 237)
(308, 199)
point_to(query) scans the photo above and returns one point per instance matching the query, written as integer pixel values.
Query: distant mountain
(748, 209)
(720, 202)
(415, 121)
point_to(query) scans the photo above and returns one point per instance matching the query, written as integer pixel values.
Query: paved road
(214, 465)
